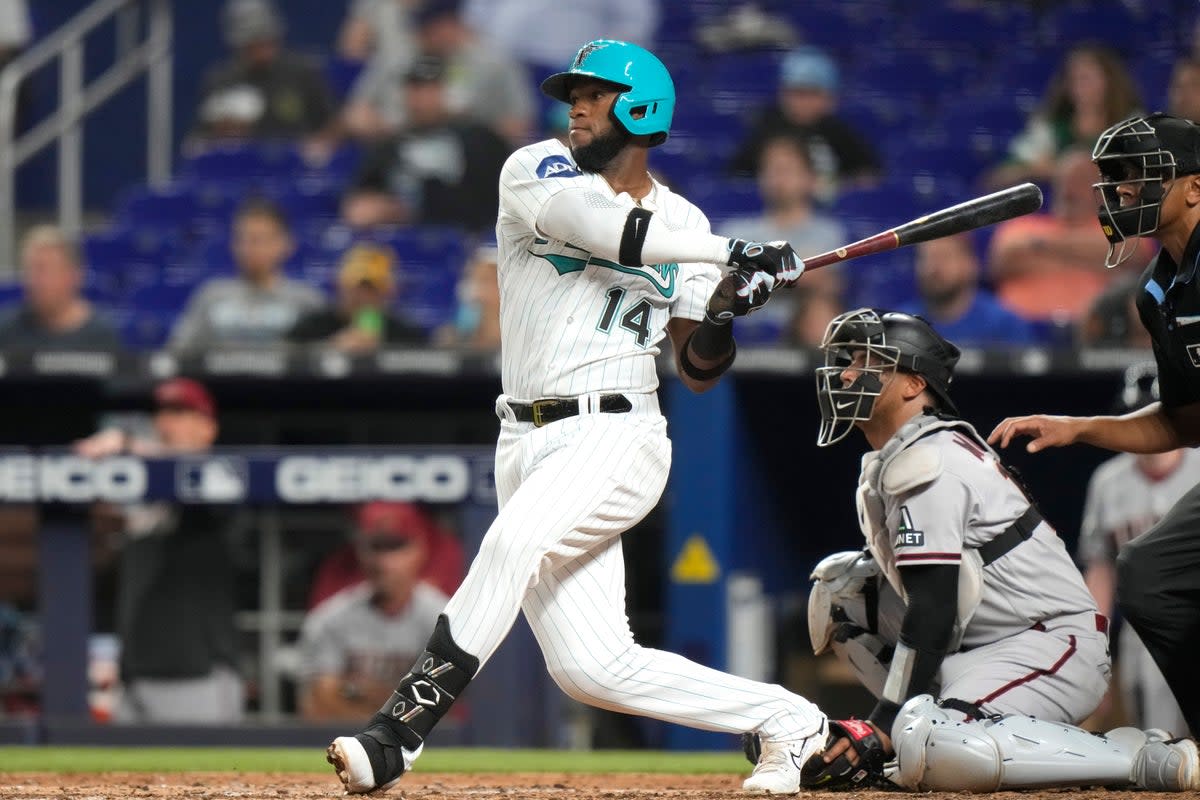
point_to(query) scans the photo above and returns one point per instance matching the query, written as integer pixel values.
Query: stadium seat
(244, 162)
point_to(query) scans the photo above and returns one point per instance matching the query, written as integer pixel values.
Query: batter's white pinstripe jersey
(572, 323)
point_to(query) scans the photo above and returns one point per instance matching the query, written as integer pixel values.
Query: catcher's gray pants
(215, 699)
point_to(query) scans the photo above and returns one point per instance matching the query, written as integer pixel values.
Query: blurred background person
(258, 306)
(476, 323)
(377, 29)
(439, 171)
(1112, 319)
(1050, 266)
(1092, 89)
(1183, 93)
(812, 310)
(1126, 496)
(354, 643)
(54, 313)
(947, 272)
(483, 84)
(263, 91)
(544, 34)
(175, 577)
(807, 105)
(787, 184)
(361, 319)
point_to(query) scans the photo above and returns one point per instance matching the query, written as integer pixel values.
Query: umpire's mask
(870, 344)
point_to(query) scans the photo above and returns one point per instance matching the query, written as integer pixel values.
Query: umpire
(1150, 186)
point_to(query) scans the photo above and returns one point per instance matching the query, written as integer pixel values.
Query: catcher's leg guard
(936, 751)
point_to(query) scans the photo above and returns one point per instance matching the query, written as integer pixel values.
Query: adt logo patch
(557, 167)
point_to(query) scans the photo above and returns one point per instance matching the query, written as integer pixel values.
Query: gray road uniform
(1123, 502)
(1027, 637)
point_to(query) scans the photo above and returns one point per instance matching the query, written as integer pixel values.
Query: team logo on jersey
(1194, 354)
(661, 276)
(907, 535)
(557, 167)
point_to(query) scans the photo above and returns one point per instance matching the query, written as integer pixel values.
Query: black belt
(543, 412)
(1012, 536)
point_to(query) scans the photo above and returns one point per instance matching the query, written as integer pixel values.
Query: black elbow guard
(633, 237)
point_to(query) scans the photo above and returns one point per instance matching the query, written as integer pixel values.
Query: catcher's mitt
(840, 773)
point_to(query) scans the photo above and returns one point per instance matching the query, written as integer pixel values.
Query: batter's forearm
(589, 220)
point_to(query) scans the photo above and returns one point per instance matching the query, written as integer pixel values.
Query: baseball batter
(964, 591)
(598, 264)
(1126, 496)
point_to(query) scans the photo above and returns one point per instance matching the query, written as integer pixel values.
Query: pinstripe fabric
(572, 325)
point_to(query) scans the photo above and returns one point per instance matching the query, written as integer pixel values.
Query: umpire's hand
(1044, 431)
(777, 259)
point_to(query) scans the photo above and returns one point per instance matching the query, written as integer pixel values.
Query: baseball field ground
(86, 773)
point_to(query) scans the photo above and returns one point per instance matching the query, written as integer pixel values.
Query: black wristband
(884, 715)
(637, 225)
(694, 372)
(712, 340)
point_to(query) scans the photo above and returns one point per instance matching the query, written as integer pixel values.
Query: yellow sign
(695, 562)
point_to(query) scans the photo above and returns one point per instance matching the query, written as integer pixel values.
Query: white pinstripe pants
(567, 491)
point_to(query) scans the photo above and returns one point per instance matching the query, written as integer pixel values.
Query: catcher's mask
(1143, 153)
(887, 342)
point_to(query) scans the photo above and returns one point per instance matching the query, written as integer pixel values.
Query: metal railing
(151, 55)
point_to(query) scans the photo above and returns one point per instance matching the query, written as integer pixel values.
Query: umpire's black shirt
(1168, 301)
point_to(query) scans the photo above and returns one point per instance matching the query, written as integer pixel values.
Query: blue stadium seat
(11, 293)
(340, 74)
(724, 198)
(246, 162)
(172, 207)
(122, 259)
(311, 200)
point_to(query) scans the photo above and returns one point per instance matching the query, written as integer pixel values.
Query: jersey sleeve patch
(557, 166)
(907, 534)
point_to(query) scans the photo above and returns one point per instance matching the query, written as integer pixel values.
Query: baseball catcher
(963, 593)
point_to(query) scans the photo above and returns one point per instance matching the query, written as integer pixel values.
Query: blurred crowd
(374, 226)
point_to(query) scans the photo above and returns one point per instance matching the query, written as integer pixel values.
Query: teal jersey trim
(660, 276)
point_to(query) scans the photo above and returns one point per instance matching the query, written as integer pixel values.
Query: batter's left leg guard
(392, 740)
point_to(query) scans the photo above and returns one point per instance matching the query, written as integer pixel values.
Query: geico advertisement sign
(338, 479)
(71, 479)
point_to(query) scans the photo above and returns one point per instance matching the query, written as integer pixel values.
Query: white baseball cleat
(780, 763)
(1170, 766)
(355, 769)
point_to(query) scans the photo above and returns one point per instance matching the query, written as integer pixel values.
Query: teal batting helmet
(646, 85)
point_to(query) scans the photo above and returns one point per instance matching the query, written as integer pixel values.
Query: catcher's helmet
(1146, 152)
(646, 86)
(889, 341)
(1140, 389)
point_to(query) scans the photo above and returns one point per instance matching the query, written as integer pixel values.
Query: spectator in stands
(544, 34)
(15, 33)
(361, 319)
(1112, 319)
(175, 594)
(476, 323)
(813, 308)
(1183, 94)
(1091, 90)
(263, 91)
(806, 105)
(353, 643)
(1050, 266)
(787, 183)
(954, 302)
(377, 29)
(261, 304)
(54, 314)
(483, 84)
(440, 171)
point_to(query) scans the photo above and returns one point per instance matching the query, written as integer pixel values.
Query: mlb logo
(1193, 351)
(211, 480)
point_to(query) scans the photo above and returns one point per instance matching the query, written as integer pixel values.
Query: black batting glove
(777, 259)
(737, 294)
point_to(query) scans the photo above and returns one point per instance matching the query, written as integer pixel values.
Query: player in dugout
(964, 592)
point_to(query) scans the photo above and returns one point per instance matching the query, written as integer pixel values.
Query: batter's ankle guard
(426, 693)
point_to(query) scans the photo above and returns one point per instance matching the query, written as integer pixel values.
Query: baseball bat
(967, 216)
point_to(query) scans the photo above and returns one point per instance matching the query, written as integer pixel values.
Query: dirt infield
(252, 786)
